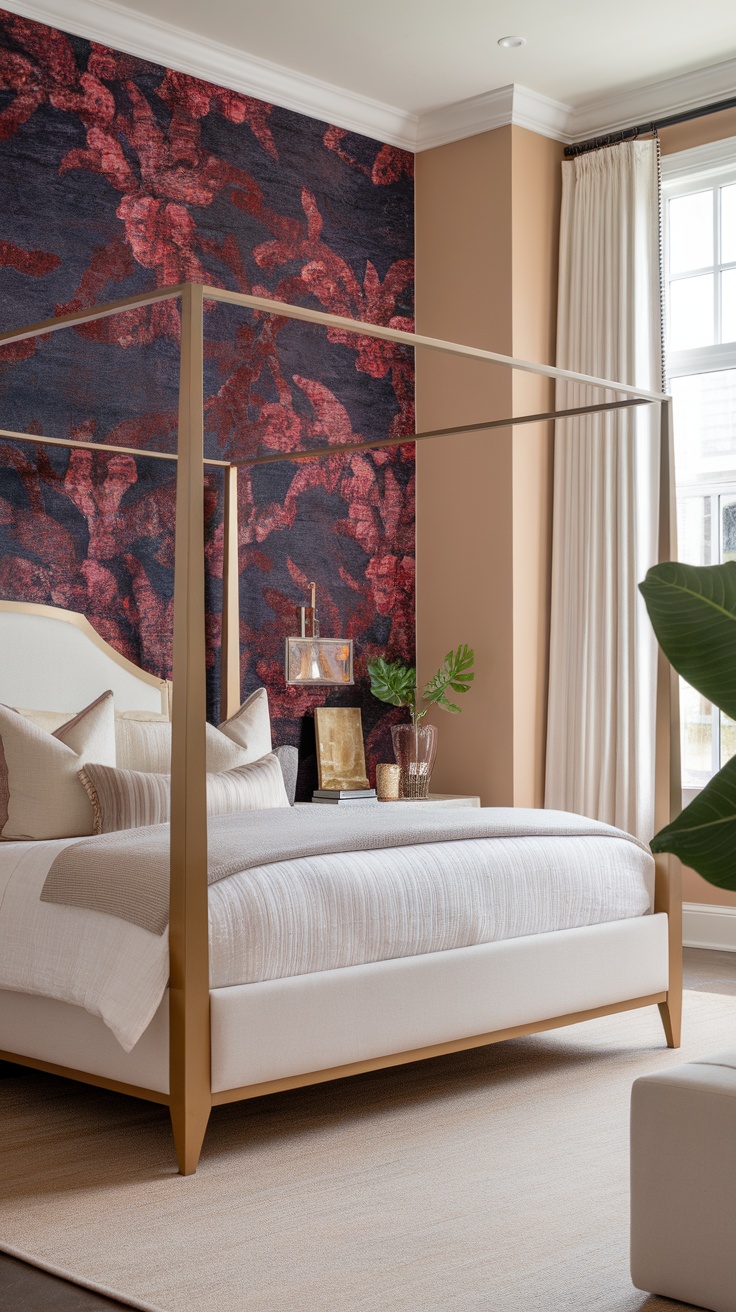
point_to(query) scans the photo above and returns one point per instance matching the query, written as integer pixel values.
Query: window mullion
(716, 264)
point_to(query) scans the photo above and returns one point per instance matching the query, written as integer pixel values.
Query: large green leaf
(704, 834)
(455, 673)
(392, 682)
(693, 612)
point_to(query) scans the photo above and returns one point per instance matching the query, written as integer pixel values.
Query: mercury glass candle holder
(388, 782)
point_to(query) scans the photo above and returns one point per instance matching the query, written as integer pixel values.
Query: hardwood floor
(26, 1289)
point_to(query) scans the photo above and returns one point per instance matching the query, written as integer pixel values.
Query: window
(699, 193)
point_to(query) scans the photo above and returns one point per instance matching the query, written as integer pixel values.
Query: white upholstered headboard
(53, 660)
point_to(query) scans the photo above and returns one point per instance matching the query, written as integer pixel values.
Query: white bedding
(314, 914)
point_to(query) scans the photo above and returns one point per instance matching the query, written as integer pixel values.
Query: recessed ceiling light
(511, 42)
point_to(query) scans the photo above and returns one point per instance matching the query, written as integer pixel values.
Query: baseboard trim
(706, 926)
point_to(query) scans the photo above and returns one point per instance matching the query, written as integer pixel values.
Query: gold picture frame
(340, 750)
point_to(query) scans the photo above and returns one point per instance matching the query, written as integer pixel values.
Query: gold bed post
(230, 636)
(189, 999)
(668, 785)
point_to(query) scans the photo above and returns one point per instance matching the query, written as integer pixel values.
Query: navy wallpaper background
(117, 176)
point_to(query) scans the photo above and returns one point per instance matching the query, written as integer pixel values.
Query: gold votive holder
(388, 783)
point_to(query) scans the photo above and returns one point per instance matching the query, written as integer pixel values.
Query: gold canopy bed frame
(190, 1096)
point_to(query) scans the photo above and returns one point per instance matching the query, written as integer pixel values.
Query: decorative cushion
(143, 738)
(250, 727)
(144, 744)
(48, 720)
(128, 799)
(41, 795)
(288, 759)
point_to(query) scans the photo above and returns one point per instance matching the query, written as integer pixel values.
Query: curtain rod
(631, 134)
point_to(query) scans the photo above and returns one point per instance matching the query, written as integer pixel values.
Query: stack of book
(344, 796)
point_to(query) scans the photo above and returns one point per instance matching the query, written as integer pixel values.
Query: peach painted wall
(464, 553)
(685, 136)
(487, 215)
(536, 185)
(699, 132)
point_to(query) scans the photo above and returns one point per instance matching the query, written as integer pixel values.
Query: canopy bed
(217, 1018)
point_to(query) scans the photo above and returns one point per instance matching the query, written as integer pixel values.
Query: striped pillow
(129, 799)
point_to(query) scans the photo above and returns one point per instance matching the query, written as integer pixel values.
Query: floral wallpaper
(119, 176)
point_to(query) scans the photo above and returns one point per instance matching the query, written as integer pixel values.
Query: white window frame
(702, 168)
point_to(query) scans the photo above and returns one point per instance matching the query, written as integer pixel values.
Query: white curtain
(602, 681)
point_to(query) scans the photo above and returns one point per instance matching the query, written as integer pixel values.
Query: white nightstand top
(445, 799)
(434, 799)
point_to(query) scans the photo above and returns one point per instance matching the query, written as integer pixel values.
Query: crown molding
(137, 33)
(495, 109)
(465, 118)
(673, 95)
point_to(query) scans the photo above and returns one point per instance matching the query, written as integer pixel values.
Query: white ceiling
(420, 54)
(393, 68)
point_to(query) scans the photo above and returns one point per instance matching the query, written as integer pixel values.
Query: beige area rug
(493, 1180)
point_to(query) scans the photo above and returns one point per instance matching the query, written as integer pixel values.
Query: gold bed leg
(668, 897)
(189, 996)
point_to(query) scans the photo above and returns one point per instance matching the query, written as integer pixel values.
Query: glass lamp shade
(415, 749)
(319, 661)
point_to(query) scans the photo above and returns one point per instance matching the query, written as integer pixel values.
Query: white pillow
(250, 727)
(41, 795)
(144, 740)
(129, 799)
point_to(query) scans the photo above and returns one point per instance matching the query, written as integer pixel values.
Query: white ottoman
(683, 1183)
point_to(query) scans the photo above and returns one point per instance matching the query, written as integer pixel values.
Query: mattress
(316, 914)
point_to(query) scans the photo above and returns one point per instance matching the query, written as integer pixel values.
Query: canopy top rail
(314, 453)
(280, 309)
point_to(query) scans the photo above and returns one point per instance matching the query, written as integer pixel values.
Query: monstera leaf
(397, 684)
(392, 682)
(693, 613)
(704, 834)
(454, 673)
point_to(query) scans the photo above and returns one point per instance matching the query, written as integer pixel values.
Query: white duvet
(316, 913)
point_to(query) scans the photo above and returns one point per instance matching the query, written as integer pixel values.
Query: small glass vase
(415, 749)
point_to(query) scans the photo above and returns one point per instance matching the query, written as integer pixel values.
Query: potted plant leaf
(415, 744)
(693, 612)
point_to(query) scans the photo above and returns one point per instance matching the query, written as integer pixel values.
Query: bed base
(434, 1050)
(356, 1067)
(268, 1033)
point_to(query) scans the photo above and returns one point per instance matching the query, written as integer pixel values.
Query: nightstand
(443, 799)
(434, 799)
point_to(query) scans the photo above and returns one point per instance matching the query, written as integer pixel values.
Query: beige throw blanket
(126, 874)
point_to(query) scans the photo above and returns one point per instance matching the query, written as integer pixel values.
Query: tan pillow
(129, 799)
(41, 795)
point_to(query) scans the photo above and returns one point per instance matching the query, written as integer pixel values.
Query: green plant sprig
(396, 684)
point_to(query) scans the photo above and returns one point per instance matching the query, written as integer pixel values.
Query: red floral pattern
(122, 176)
